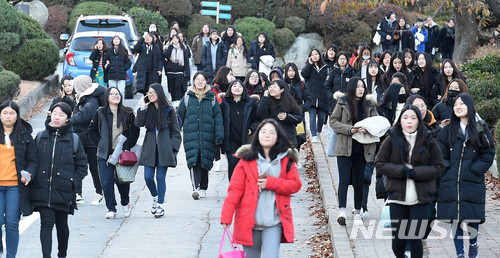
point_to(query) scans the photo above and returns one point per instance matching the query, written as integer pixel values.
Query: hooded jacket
(249, 118)
(341, 121)
(432, 41)
(243, 194)
(60, 170)
(237, 61)
(337, 80)
(118, 65)
(140, 66)
(202, 127)
(206, 57)
(88, 103)
(315, 81)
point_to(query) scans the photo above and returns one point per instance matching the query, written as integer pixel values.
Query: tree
(12, 33)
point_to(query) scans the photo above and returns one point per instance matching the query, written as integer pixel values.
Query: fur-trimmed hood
(342, 98)
(292, 152)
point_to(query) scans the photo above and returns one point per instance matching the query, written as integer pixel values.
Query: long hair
(69, 78)
(320, 61)
(266, 38)
(379, 81)
(358, 63)
(422, 135)
(461, 85)
(426, 73)
(201, 34)
(295, 78)
(263, 78)
(229, 94)
(123, 112)
(351, 98)
(244, 44)
(157, 118)
(381, 62)
(335, 49)
(247, 78)
(121, 51)
(282, 142)
(288, 103)
(226, 37)
(456, 73)
(104, 46)
(412, 54)
(427, 118)
(471, 122)
(342, 53)
(391, 70)
(221, 78)
(403, 79)
(16, 131)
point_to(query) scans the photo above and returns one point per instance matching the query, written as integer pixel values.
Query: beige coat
(237, 61)
(341, 123)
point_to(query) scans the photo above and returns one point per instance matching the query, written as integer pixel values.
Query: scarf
(450, 32)
(177, 55)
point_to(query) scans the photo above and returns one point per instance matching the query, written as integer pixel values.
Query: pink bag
(236, 253)
(127, 158)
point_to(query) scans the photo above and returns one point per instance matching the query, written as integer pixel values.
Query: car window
(116, 25)
(86, 43)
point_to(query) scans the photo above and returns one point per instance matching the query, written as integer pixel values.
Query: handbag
(236, 253)
(332, 142)
(300, 128)
(127, 158)
(385, 216)
(126, 174)
(377, 38)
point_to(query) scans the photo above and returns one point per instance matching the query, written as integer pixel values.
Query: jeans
(408, 215)
(459, 243)
(49, 217)
(316, 125)
(108, 179)
(10, 215)
(159, 188)
(91, 153)
(119, 84)
(366, 184)
(266, 243)
(199, 177)
(352, 167)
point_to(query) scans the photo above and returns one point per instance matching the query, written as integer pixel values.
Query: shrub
(295, 24)
(12, 34)
(484, 88)
(32, 28)
(143, 18)
(57, 2)
(9, 85)
(36, 60)
(196, 23)
(488, 64)
(179, 10)
(489, 111)
(250, 27)
(91, 8)
(57, 22)
(283, 39)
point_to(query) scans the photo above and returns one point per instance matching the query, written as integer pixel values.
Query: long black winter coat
(175, 67)
(101, 132)
(427, 162)
(206, 58)
(426, 87)
(141, 65)
(167, 145)
(445, 43)
(387, 28)
(249, 119)
(95, 57)
(256, 52)
(462, 191)
(118, 65)
(264, 111)
(60, 170)
(25, 159)
(432, 38)
(315, 81)
(84, 111)
(337, 80)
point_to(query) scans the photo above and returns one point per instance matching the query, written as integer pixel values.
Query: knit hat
(81, 83)
(63, 106)
(276, 70)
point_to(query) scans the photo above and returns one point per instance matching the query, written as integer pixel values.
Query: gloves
(409, 173)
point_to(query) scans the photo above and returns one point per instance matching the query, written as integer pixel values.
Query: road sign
(225, 7)
(208, 12)
(208, 4)
(226, 16)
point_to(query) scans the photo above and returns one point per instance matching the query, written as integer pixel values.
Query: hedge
(36, 60)
(12, 35)
(250, 27)
(283, 39)
(295, 24)
(143, 18)
(489, 111)
(32, 28)
(91, 8)
(9, 85)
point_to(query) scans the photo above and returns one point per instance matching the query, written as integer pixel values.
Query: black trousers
(199, 177)
(402, 218)
(366, 183)
(351, 169)
(232, 161)
(91, 153)
(175, 85)
(49, 217)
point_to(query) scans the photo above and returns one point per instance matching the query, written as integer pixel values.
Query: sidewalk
(375, 241)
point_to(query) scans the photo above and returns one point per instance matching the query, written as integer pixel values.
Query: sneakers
(473, 251)
(315, 139)
(364, 214)
(196, 194)
(357, 220)
(217, 166)
(126, 210)
(97, 199)
(155, 205)
(110, 215)
(159, 212)
(341, 218)
(79, 199)
(203, 193)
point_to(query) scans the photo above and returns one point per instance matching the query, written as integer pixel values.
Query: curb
(338, 234)
(27, 102)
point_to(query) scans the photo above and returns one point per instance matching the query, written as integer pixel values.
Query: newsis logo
(439, 229)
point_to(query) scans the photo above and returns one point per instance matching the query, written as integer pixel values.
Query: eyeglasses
(115, 95)
(200, 80)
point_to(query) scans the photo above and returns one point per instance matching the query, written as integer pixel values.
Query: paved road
(189, 229)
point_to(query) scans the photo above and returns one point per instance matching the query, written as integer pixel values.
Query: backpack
(75, 141)
(179, 120)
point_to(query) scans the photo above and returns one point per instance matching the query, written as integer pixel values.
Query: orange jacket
(243, 193)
